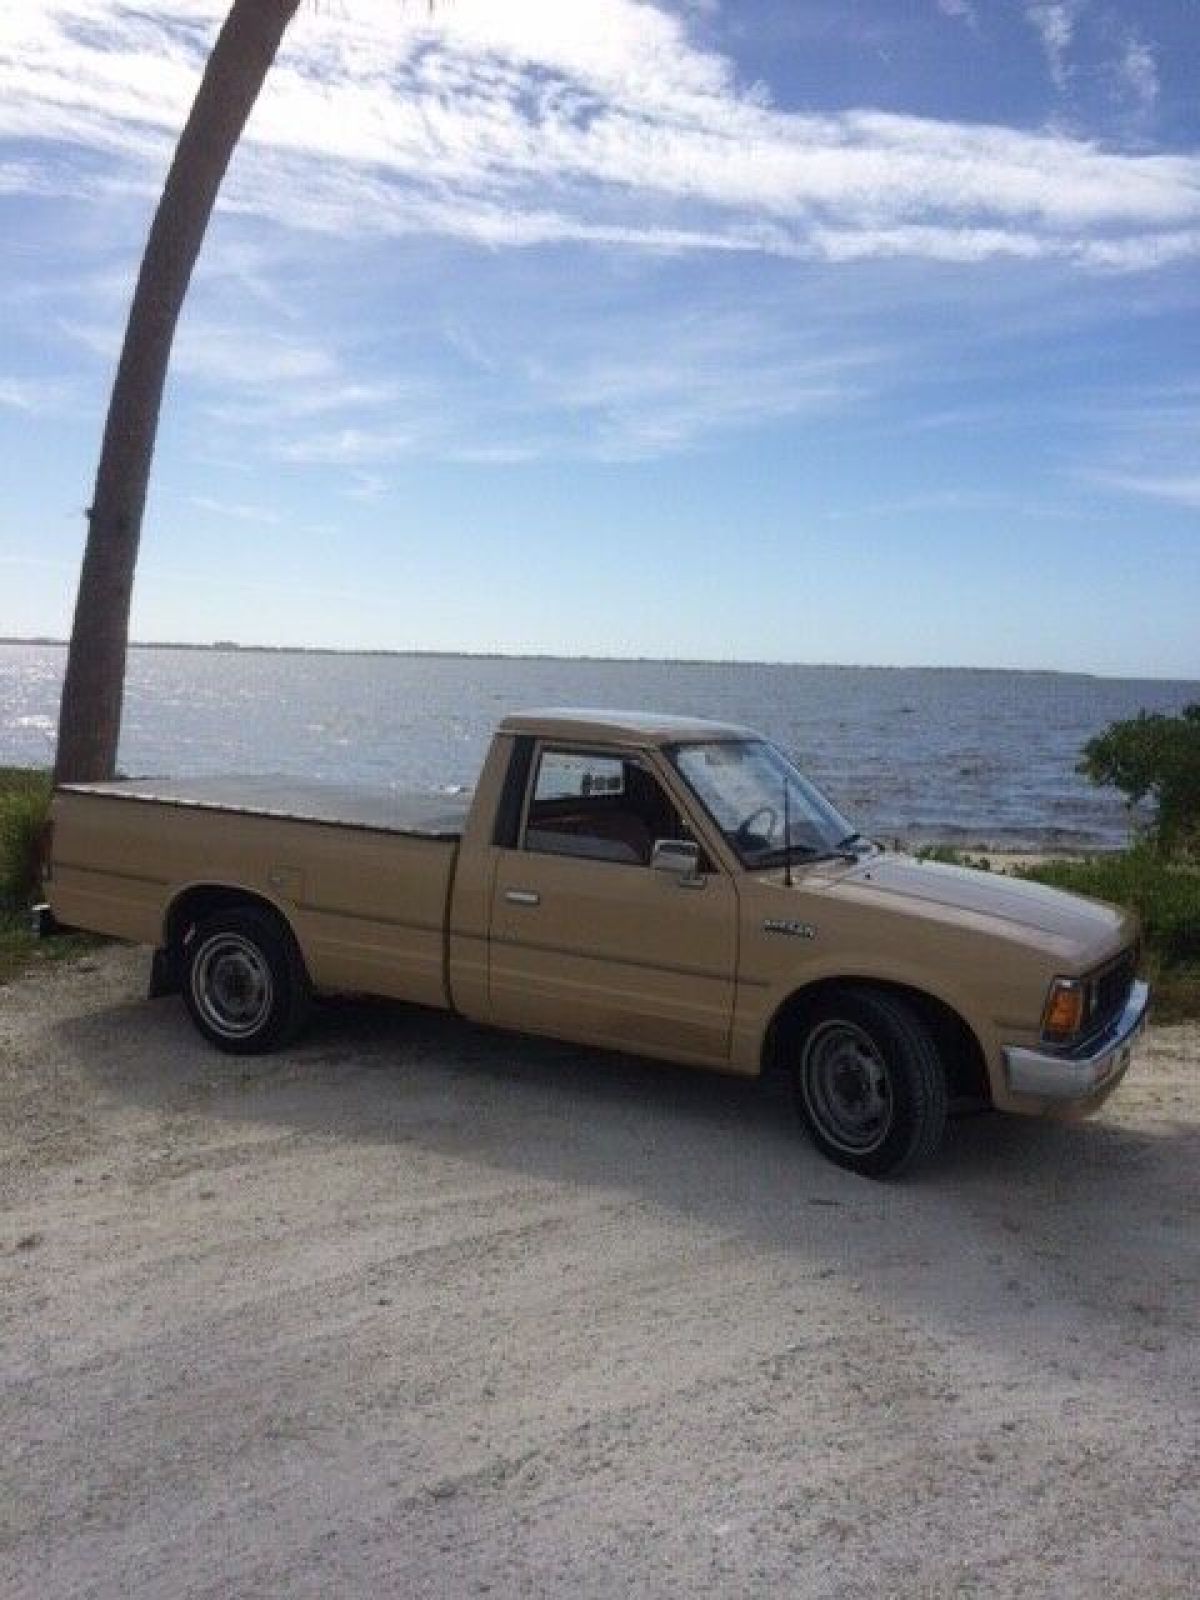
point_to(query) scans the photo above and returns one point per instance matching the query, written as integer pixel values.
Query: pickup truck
(656, 884)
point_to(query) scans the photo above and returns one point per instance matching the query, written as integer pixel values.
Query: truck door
(586, 940)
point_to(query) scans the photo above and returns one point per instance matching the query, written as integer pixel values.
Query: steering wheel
(747, 832)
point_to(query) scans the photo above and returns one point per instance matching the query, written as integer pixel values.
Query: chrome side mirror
(678, 856)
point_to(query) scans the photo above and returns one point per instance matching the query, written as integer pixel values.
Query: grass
(24, 799)
(21, 953)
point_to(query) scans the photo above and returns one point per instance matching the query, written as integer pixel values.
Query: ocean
(975, 758)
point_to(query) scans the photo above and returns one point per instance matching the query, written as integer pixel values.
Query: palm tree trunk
(90, 714)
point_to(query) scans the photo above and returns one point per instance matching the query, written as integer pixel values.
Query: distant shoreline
(230, 647)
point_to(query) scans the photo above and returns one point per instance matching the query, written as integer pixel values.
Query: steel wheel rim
(846, 1086)
(232, 985)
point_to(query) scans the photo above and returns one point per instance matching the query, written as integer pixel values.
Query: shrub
(1154, 757)
(24, 802)
(951, 857)
(1165, 896)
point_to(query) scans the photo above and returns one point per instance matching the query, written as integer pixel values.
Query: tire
(244, 982)
(869, 1084)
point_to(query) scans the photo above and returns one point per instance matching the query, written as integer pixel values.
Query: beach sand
(416, 1309)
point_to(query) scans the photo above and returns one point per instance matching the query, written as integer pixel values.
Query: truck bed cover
(425, 816)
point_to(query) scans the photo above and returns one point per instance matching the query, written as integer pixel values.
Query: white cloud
(650, 390)
(237, 511)
(651, 384)
(349, 447)
(961, 10)
(34, 396)
(1054, 21)
(223, 357)
(1138, 73)
(367, 486)
(495, 455)
(1181, 489)
(601, 122)
(322, 392)
(952, 501)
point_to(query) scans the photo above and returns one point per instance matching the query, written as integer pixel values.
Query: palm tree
(90, 714)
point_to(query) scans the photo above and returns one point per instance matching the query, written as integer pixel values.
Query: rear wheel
(244, 981)
(869, 1083)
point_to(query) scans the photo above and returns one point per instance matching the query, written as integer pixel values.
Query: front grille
(1108, 991)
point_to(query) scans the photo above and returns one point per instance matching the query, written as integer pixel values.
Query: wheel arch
(958, 1043)
(189, 905)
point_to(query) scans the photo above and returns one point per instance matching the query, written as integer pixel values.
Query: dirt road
(418, 1310)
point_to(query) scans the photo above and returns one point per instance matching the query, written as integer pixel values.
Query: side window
(596, 805)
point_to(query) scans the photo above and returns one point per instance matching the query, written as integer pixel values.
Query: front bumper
(1080, 1073)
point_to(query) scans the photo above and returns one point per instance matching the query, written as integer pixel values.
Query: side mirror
(678, 856)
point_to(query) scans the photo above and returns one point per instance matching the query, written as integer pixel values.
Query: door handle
(523, 897)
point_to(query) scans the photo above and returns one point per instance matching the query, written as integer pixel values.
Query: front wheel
(244, 981)
(869, 1084)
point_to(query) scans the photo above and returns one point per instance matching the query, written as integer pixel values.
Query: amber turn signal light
(1064, 1008)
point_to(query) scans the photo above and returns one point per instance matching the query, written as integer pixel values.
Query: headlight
(1063, 1016)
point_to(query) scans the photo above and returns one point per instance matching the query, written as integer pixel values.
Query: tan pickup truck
(646, 883)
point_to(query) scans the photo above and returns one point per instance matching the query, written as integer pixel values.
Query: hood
(1090, 928)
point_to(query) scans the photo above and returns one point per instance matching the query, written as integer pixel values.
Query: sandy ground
(415, 1309)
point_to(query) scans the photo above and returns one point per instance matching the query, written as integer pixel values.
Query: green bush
(1157, 758)
(20, 780)
(949, 856)
(1166, 897)
(24, 802)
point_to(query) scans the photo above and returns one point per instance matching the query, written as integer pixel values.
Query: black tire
(869, 1084)
(244, 982)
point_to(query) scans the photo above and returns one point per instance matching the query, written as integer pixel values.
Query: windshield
(741, 784)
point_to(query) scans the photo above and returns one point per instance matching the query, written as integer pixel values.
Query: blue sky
(850, 332)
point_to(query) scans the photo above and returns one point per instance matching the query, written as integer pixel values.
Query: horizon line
(232, 647)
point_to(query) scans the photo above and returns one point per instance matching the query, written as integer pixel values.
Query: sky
(790, 330)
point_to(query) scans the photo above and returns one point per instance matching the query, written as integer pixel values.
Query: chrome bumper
(1078, 1074)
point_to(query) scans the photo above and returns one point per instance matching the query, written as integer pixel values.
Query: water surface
(921, 753)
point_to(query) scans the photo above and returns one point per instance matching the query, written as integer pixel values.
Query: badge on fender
(798, 930)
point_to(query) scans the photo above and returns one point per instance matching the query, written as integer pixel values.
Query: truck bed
(423, 816)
